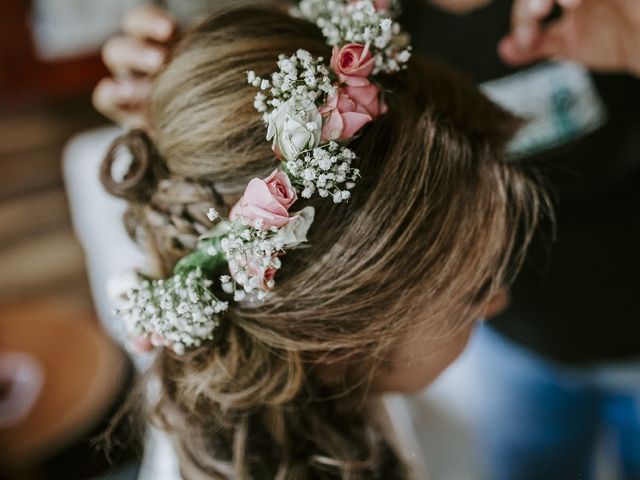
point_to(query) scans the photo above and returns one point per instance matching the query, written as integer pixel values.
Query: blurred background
(61, 377)
(45, 86)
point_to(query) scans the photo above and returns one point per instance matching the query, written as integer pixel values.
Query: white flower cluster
(326, 170)
(252, 252)
(314, 9)
(294, 125)
(358, 21)
(181, 310)
(300, 77)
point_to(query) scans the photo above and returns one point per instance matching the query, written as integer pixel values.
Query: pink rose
(368, 97)
(352, 60)
(267, 200)
(141, 344)
(350, 109)
(280, 187)
(353, 63)
(260, 278)
(343, 117)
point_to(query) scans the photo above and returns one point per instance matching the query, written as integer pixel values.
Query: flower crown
(311, 111)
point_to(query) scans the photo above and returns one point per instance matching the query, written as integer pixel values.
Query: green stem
(200, 258)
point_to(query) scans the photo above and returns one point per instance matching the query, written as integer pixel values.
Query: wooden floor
(39, 255)
(42, 273)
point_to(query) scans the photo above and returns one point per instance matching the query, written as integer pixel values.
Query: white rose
(295, 232)
(294, 129)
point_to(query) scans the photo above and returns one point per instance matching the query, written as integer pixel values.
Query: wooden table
(82, 373)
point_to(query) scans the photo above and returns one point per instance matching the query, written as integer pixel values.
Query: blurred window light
(72, 28)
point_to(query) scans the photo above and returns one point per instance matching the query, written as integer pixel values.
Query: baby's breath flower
(327, 170)
(181, 310)
(212, 214)
(349, 21)
(300, 80)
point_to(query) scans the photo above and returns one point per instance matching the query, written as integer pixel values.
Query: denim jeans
(534, 419)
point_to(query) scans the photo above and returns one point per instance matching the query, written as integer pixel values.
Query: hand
(134, 58)
(460, 6)
(600, 34)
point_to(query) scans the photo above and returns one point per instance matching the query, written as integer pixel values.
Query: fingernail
(125, 89)
(524, 36)
(110, 88)
(163, 28)
(537, 7)
(153, 58)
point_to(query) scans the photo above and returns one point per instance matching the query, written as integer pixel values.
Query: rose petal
(258, 203)
(257, 193)
(346, 104)
(351, 61)
(332, 102)
(269, 217)
(335, 53)
(363, 70)
(353, 121)
(367, 97)
(353, 81)
(281, 189)
(332, 128)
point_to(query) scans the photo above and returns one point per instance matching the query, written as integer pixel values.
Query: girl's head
(391, 281)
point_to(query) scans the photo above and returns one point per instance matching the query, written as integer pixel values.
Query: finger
(512, 54)
(129, 92)
(526, 16)
(150, 23)
(552, 42)
(570, 4)
(122, 101)
(126, 54)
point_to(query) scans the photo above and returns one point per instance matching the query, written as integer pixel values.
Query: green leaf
(201, 258)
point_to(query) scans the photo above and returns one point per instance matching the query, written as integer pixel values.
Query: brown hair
(437, 223)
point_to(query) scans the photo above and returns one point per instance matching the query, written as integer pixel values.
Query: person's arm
(134, 58)
(602, 35)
